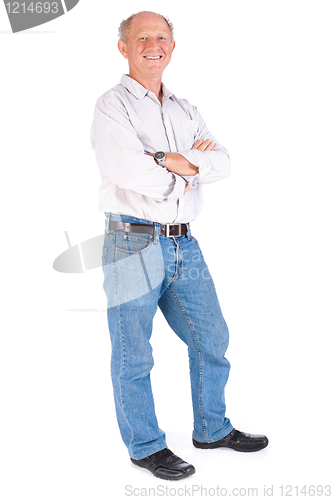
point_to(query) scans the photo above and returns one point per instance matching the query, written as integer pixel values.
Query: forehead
(151, 23)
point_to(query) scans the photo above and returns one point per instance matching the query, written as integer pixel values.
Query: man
(155, 153)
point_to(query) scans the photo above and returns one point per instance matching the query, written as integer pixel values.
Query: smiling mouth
(153, 58)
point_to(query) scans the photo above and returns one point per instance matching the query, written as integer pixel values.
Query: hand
(206, 145)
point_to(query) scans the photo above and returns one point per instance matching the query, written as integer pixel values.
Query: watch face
(159, 155)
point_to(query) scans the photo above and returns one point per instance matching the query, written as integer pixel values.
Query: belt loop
(156, 232)
(107, 222)
(188, 234)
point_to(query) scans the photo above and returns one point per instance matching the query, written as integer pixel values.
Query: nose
(153, 44)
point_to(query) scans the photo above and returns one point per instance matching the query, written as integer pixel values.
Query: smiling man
(148, 46)
(155, 153)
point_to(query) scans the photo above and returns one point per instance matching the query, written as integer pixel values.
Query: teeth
(148, 57)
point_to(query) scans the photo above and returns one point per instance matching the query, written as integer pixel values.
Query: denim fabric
(143, 272)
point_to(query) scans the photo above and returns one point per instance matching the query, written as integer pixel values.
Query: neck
(152, 84)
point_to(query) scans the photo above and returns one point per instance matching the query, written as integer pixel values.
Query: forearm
(213, 165)
(176, 163)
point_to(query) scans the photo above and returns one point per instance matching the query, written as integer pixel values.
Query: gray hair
(125, 26)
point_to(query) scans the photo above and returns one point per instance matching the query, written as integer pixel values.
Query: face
(148, 48)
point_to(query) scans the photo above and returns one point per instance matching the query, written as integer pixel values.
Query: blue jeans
(143, 272)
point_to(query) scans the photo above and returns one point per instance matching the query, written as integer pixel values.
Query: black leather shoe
(165, 465)
(236, 440)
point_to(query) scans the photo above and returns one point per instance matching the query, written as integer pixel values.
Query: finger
(206, 144)
(197, 144)
(210, 146)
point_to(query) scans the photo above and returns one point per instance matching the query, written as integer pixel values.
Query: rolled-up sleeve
(121, 156)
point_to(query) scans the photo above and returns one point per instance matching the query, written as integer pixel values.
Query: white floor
(59, 436)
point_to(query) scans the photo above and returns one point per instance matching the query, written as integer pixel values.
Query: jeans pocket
(131, 274)
(133, 266)
(132, 243)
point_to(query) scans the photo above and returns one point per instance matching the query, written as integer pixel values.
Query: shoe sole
(186, 474)
(212, 446)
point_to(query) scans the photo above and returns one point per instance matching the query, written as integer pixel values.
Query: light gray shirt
(129, 121)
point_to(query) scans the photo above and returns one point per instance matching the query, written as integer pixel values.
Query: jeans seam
(183, 261)
(175, 276)
(197, 344)
(145, 271)
(123, 353)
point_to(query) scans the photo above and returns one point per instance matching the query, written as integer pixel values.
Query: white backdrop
(260, 74)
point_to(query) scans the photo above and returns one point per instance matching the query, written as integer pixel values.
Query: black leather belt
(173, 230)
(165, 229)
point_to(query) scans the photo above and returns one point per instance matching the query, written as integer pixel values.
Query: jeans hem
(149, 452)
(221, 436)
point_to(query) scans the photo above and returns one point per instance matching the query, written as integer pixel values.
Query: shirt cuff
(178, 188)
(198, 159)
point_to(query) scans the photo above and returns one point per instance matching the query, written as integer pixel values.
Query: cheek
(168, 57)
(134, 52)
(134, 57)
(168, 53)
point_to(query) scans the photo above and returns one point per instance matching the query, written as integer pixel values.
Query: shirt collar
(138, 90)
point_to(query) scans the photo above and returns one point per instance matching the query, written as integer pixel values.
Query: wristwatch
(159, 157)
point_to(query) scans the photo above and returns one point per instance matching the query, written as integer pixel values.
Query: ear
(173, 46)
(122, 48)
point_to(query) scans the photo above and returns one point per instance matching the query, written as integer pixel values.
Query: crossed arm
(177, 164)
(129, 168)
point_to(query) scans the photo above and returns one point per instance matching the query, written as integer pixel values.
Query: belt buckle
(167, 230)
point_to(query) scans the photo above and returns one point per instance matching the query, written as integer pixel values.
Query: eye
(143, 38)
